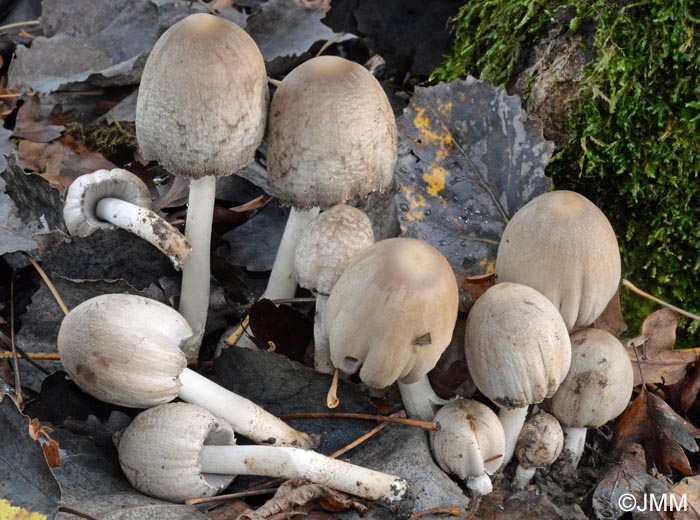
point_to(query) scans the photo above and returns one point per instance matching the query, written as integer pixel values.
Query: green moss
(635, 149)
(109, 140)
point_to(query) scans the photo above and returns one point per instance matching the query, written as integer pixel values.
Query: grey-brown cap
(332, 134)
(328, 244)
(202, 103)
(540, 442)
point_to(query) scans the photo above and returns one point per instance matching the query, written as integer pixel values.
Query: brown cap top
(202, 104)
(332, 134)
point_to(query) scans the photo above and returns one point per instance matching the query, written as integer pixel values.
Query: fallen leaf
(230, 510)
(685, 393)
(478, 284)
(446, 382)
(480, 157)
(14, 234)
(10, 512)
(651, 422)
(659, 362)
(280, 328)
(41, 435)
(687, 493)
(32, 126)
(627, 483)
(611, 319)
(523, 505)
(8, 101)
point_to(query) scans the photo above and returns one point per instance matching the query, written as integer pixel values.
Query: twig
(230, 496)
(374, 431)
(637, 290)
(36, 356)
(71, 511)
(333, 39)
(48, 283)
(426, 425)
(10, 96)
(15, 357)
(450, 510)
(19, 24)
(236, 334)
(332, 400)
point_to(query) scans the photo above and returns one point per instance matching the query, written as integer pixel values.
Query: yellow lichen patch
(488, 265)
(436, 175)
(445, 108)
(415, 203)
(10, 512)
(435, 178)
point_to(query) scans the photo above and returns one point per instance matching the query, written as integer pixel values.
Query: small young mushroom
(323, 252)
(390, 315)
(125, 349)
(561, 244)
(177, 451)
(469, 443)
(106, 199)
(539, 445)
(596, 390)
(201, 113)
(518, 352)
(332, 137)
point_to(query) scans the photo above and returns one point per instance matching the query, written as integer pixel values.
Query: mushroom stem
(308, 465)
(420, 400)
(146, 224)
(523, 476)
(574, 444)
(322, 346)
(480, 485)
(282, 283)
(194, 294)
(246, 417)
(512, 420)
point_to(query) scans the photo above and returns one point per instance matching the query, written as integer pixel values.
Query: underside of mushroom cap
(79, 211)
(332, 135)
(124, 349)
(202, 103)
(392, 312)
(160, 451)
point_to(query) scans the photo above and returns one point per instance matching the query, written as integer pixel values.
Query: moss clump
(634, 147)
(112, 141)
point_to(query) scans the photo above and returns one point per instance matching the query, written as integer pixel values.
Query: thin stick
(48, 283)
(374, 431)
(230, 496)
(71, 511)
(10, 96)
(648, 296)
(19, 24)
(332, 400)
(426, 425)
(39, 356)
(15, 357)
(450, 510)
(333, 39)
(236, 334)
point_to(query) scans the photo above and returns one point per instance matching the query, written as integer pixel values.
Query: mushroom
(561, 244)
(125, 349)
(539, 445)
(177, 451)
(106, 199)
(596, 390)
(201, 112)
(390, 315)
(332, 137)
(517, 350)
(469, 442)
(323, 252)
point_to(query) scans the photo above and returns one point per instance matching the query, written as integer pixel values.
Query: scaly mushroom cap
(169, 468)
(541, 441)
(202, 103)
(599, 384)
(392, 312)
(332, 135)
(470, 434)
(124, 349)
(517, 345)
(87, 190)
(561, 244)
(327, 245)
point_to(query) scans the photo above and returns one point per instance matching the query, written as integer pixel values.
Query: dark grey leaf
(14, 234)
(6, 147)
(480, 157)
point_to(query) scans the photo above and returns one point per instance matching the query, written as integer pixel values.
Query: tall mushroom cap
(171, 470)
(561, 244)
(332, 134)
(143, 371)
(79, 211)
(540, 442)
(202, 103)
(392, 312)
(327, 245)
(517, 345)
(599, 384)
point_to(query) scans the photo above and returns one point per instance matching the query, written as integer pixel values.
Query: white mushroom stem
(282, 283)
(295, 463)
(420, 400)
(523, 476)
(194, 293)
(246, 417)
(481, 485)
(147, 225)
(322, 346)
(512, 420)
(574, 443)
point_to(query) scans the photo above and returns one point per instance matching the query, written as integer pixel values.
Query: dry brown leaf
(41, 435)
(523, 505)
(8, 101)
(32, 126)
(686, 393)
(611, 319)
(230, 510)
(687, 493)
(477, 285)
(659, 362)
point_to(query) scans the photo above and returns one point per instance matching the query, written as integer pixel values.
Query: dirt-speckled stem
(512, 420)
(574, 444)
(523, 476)
(480, 485)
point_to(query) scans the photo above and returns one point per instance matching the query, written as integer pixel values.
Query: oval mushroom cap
(392, 312)
(561, 244)
(202, 103)
(332, 134)
(541, 441)
(470, 434)
(327, 245)
(79, 211)
(599, 384)
(124, 349)
(159, 452)
(517, 346)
